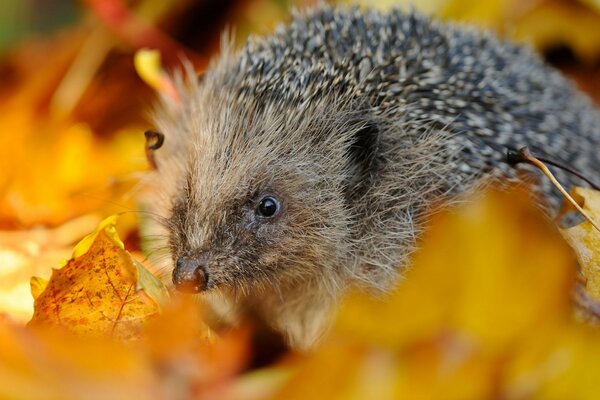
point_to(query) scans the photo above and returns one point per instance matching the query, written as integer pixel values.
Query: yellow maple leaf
(101, 290)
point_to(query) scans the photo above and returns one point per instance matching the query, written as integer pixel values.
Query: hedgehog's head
(261, 190)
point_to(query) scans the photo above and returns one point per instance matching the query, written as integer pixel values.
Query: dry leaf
(102, 290)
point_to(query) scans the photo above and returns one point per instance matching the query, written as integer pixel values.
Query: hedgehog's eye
(268, 207)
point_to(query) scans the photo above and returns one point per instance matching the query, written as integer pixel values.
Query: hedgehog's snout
(190, 274)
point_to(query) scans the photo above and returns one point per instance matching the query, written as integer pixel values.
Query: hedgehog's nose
(189, 275)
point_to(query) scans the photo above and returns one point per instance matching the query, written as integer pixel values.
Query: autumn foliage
(498, 302)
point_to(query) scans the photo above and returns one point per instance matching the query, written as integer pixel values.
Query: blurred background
(73, 109)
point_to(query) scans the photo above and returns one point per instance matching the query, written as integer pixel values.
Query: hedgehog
(308, 162)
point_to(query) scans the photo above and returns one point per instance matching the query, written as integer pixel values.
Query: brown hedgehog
(308, 161)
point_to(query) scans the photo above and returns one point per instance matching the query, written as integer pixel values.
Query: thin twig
(524, 155)
(513, 157)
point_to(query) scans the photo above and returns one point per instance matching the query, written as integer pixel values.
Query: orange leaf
(53, 365)
(192, 357)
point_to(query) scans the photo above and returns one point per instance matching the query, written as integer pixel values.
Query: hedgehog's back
(490, 94)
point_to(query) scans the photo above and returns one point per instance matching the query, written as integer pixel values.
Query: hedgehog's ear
(154, 141)
(363, 160)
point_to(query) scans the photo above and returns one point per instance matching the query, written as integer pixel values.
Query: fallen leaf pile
(497, 303)
(485, 311)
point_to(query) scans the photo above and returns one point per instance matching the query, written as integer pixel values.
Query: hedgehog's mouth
(198, 272)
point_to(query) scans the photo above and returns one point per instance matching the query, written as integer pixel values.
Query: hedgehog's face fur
(252, 223)
(258, 197)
